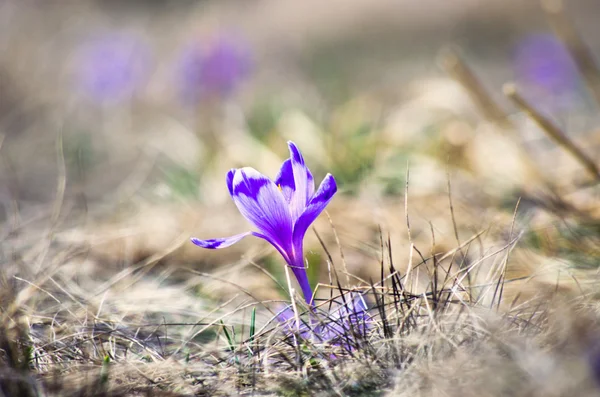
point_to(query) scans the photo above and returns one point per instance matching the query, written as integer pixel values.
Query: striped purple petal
(262, 204)
(216, 243)
(316, 205)
(285, 180)
(303, 182)
(229, 179)
(224, 242)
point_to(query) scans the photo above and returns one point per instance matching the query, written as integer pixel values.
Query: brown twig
(552, 130)
(456, 67)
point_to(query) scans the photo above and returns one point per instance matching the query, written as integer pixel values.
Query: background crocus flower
(112, 67)
(215, 70)
(543, 66)
(346, 321)
(351, 316)
(280, 210)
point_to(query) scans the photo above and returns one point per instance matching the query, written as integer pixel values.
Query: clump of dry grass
(461, 334)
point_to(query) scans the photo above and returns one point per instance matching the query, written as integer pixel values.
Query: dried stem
(552, 130)
(292, 297)
(456, 67)
(339, 244)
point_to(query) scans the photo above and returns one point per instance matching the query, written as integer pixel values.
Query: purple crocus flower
(544, 67)
(216, 70)
(226, 64)
(280, 210)
(337, 328)
(112, 67)
(351, 316)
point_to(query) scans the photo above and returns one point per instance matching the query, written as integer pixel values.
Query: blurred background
(118, 121)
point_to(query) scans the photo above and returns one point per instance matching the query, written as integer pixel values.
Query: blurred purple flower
(216, 70)
(544, 67)
(592, 354)
(112, 67)
(281, 210)
(339, 327)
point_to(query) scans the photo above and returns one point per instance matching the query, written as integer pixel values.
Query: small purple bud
(112, 67)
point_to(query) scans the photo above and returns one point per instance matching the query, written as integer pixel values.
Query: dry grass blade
(456, 67)
(552, 130)
(337, 241)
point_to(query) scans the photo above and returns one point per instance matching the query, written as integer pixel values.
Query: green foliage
(275, 267)
(328, 67)
(80, 154)
(184, 183)
(231, 345)
(294, 388)
(252, 325)
(104, 372)
(354, 156)
(263, 118)
(577, 243)
(314, 268)
(230, 338)
(393, 177)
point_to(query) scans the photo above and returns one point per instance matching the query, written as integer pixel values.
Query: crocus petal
(287, 319)
(303, 181)
(314, 208)
(339, 327)
(348, 320)
(355, 310)
(262, 204)
(285, 180)
(275, 243)
(216, 243)
(229, 177)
